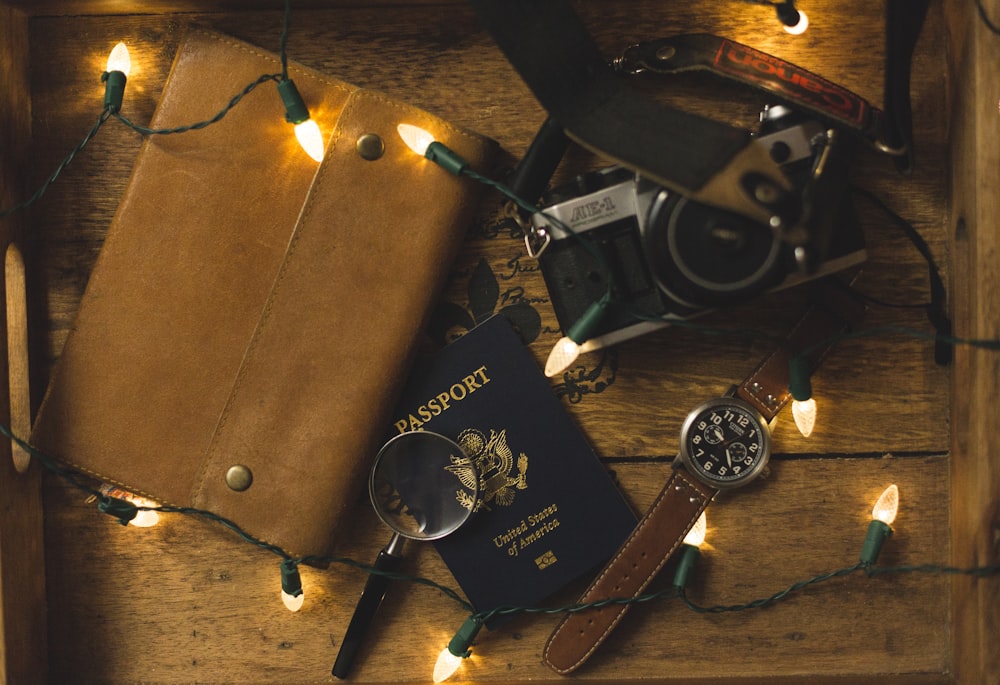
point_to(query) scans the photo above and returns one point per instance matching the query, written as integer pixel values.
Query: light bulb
(119, 59)
(800, 387)
(144, 518)
(696, 536)
(800, 26)
(887, 505)
(804, 413)
(563, 354)
(446, 665)
(569, 347)
(883, 514)
(292, 595)
(310, 138)
(416, 138)
(457, 651)
(689, 551)
(114, 78)
(423, 143)
(306, 130)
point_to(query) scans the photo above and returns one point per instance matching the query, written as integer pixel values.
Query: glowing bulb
(457, 651)
(296, 112)
(883, 514)
(696, 536)
(115, 76)
(887, 505)
(569, 348)
(446, 665)
(416, 138)
(293, 602)
(563, 354)
(804, 413)
(310, 138)
(689, 552)
(291, 585)
(119, 59)
(800, 26)
(144, 518)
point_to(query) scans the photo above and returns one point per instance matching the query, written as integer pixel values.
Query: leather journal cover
(549, 511)
(252, 310)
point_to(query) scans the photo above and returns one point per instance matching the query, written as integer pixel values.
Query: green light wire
(264, 78)
(73, 478)
(107, 114)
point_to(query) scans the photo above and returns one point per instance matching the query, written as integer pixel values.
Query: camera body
(666, 256)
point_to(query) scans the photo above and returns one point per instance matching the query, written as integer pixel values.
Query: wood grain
(186, 602)
(23, 654)
(975, 70)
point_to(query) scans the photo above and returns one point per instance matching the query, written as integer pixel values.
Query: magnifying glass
(423, 486)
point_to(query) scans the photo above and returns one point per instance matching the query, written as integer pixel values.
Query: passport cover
(252, 308)
(549, 511)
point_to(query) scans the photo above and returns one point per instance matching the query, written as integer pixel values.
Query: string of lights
(115, 78)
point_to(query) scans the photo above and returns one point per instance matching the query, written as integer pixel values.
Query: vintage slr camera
(670, 257)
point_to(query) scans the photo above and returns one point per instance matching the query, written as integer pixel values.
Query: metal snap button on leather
(370, 147)
(239, 477)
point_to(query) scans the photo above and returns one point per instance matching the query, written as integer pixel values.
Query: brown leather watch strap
(673, 513)
(833, 311)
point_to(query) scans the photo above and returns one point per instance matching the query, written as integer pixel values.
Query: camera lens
(705, 256)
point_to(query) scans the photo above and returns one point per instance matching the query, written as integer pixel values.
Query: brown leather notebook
(253, 309)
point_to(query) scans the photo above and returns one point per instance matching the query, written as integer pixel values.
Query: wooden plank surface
(975, 73)
(22, 554)
(185, 602)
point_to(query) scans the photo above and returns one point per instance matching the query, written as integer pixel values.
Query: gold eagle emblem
(493, 460)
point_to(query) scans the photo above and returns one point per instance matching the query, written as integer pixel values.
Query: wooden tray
(187, 602)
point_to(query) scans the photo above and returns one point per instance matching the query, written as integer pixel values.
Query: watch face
(725, 442)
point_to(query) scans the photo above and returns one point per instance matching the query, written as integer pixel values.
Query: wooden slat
(22, 553)
(73, 8)
(975, 73)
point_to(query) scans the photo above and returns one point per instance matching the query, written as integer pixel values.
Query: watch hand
(729, 458)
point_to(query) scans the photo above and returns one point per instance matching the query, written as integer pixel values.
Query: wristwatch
(725, 443)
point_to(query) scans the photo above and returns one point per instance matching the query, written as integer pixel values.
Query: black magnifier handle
(388, 560)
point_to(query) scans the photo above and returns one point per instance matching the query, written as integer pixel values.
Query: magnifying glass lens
(423, 486)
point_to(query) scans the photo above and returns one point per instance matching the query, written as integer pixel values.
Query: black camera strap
(903, 21)
(555, 55)
(703, 159)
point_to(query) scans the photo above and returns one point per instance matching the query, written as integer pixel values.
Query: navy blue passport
(548, 510)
